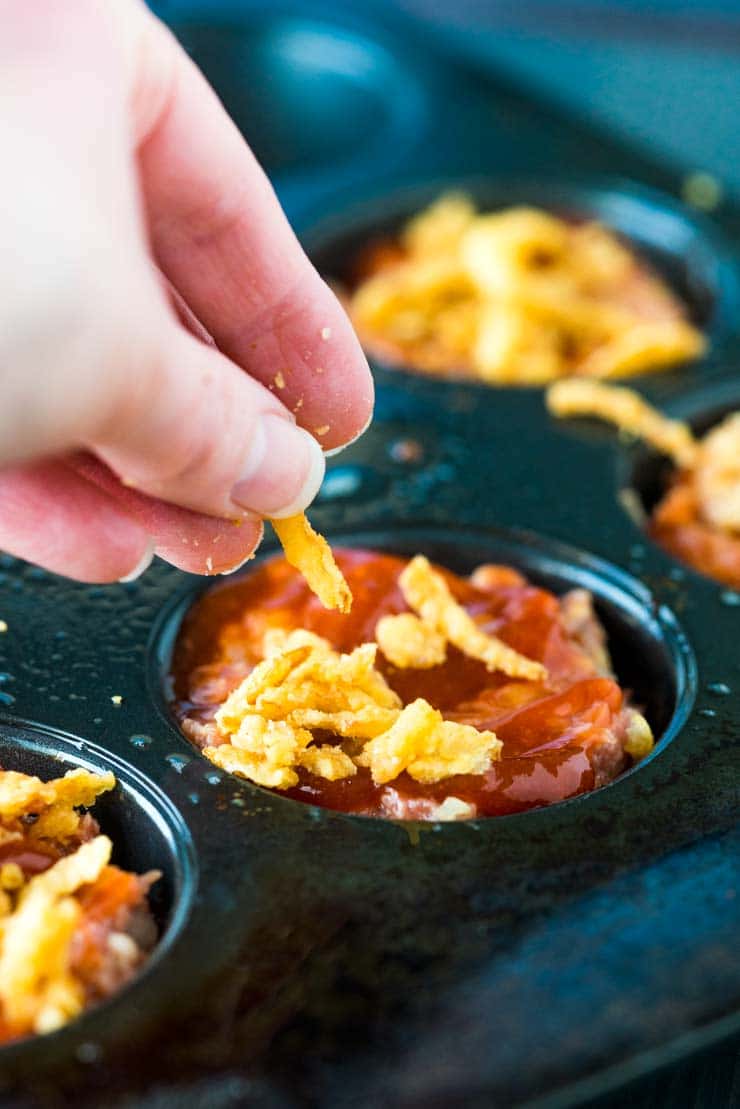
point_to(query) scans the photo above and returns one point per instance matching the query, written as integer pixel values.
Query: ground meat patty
(561, 736)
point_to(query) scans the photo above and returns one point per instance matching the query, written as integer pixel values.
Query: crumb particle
(298, 404)
(209, 564)
(323, 430)
(326, 333)
(279, 380)
(117, 699)
(3, 626)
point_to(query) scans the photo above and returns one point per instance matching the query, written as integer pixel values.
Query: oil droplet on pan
(141, 740)
(178, 762)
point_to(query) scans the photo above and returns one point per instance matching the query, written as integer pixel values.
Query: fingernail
(143, 564)
(343, 446)
(252, 554)
(283, 472)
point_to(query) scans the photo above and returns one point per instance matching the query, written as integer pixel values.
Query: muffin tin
(313, 958)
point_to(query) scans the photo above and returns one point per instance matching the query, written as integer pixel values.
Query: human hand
(120, 431)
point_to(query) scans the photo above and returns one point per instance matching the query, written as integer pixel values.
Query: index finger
(220, 236)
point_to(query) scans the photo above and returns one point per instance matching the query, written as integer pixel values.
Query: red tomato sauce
(678, 526)
(550, 731)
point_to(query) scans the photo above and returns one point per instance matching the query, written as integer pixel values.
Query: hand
(122, 433)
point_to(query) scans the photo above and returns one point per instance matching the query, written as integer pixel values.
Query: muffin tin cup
(681, 246)
(311, 957)
(148, 834)
(649, 648)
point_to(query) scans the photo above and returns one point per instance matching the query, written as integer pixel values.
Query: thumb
(186, 425)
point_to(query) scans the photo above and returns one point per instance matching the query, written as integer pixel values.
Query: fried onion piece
(645, 346)
(310, 554)
(327, 762)
(312, 679)
(427, 593)
(363, 722)
(305, 687)
(428, 747)
(267, 675)
(408, 642)
(517, 296)
(628, 411)
(278, 640)
(265, 751)
(37, 987)
(53, 804)
(718, 474)
(440, 227)
(22, 793)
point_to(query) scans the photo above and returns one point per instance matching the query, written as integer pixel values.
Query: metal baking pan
(312, 958)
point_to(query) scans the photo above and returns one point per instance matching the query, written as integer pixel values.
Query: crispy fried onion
(420, 641)
(53, 804)
(409, 642)
(304, 687)
(428, 747)
(518, 296)
(630, 413)
(718, 474)
(38, 990)
(714, 460)
(310, 554)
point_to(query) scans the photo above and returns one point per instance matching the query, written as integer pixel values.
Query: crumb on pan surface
(73, 927)
(698, 518)
(516, 296)
(275, 688)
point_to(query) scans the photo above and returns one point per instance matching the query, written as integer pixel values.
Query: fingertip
(339, 393)
(187, 540)
(284, 470)
(331, 451)
(142, 565)
(216, 547)
(55, 518)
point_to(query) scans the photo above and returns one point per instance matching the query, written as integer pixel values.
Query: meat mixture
(477, 696)
(680, 526)
(74, 929)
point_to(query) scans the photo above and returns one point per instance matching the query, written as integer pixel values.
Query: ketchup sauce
(549, 730)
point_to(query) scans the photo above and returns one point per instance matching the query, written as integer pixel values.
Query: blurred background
(663, 73)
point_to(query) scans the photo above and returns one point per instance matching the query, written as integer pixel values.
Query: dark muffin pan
(310, 958)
